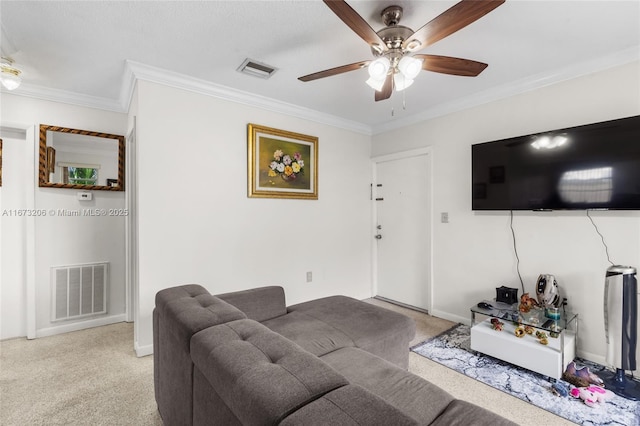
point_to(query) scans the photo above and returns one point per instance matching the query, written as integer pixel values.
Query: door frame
(131, 229)
(428, 152)
(31, 139)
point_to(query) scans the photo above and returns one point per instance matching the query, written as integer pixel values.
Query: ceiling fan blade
(453, 66)
(387, 89)
(334, 71)
(450, 21)
(356, 23)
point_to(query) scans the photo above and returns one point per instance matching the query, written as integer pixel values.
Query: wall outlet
(309, 276)
(444, 217)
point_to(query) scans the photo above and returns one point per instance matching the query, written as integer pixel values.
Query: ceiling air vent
(256, 69)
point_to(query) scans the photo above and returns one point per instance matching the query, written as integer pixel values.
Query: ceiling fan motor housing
(391, 15)
(393, 34)
(393, 37)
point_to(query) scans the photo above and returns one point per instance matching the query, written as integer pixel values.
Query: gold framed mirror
(80, 159)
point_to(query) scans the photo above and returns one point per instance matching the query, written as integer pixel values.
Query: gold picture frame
(281, 164)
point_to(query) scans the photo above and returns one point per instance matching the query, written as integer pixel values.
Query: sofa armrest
(259, 304)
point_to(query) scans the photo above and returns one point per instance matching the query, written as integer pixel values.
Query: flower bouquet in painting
(282, 164)
(288, 167)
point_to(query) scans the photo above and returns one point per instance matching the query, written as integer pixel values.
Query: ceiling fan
(395, 65)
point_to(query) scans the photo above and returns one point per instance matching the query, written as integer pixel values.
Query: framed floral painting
(282, 164)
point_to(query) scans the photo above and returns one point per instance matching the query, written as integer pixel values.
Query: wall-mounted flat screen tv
(595, 166)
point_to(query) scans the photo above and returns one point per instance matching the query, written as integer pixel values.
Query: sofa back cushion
(190, 308)
(261, 376)
(259, 304)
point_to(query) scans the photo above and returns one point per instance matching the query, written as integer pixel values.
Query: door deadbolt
(378, 237)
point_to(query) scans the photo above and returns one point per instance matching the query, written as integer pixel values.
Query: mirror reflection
(82, 159)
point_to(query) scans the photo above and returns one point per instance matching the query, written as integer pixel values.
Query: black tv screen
(595, 166)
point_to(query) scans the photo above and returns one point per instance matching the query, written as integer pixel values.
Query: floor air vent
(79, 290)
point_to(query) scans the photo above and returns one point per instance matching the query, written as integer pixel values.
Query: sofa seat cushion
(377, 330)
(312, 334)
(260, 375)
(459, 413)
(411, 394)
(348, 406)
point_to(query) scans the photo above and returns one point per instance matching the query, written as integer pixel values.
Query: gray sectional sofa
(245, 358)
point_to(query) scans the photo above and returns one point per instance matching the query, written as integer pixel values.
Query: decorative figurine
(496, 324)
(542, 337)
(526, 303)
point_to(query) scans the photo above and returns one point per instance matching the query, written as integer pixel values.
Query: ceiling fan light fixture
(9, 75)
(400, 82)
(379, 68)
(376, 84)
(410, 67)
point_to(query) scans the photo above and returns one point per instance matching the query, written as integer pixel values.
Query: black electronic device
(484, 305)
(548, 323)
(594, 166)
(507, 295)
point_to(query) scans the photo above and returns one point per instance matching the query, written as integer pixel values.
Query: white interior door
(403, 230)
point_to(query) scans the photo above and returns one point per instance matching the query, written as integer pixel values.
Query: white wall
(473, 254)
(197, 225)
(58, 240)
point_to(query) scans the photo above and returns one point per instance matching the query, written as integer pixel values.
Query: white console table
(550, 360)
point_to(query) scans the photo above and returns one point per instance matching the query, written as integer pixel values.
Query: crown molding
(135, 71)
(514, 88)
(66, 97)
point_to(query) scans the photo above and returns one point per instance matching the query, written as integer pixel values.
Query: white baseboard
(602, 360)
(82, 325)
(145, 350)
(451, 317)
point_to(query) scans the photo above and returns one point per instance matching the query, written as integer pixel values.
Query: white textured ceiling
(81, 48)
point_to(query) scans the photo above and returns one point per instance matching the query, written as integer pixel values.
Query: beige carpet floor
(88, 377)
(92, 377)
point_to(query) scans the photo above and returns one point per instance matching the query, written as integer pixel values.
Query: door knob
(378, 237)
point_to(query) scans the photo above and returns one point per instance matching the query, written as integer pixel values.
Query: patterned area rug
(452, 349)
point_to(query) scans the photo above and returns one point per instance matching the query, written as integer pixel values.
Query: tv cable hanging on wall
(515, 250)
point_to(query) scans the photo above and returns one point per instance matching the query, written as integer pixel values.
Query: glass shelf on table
(535, 317)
